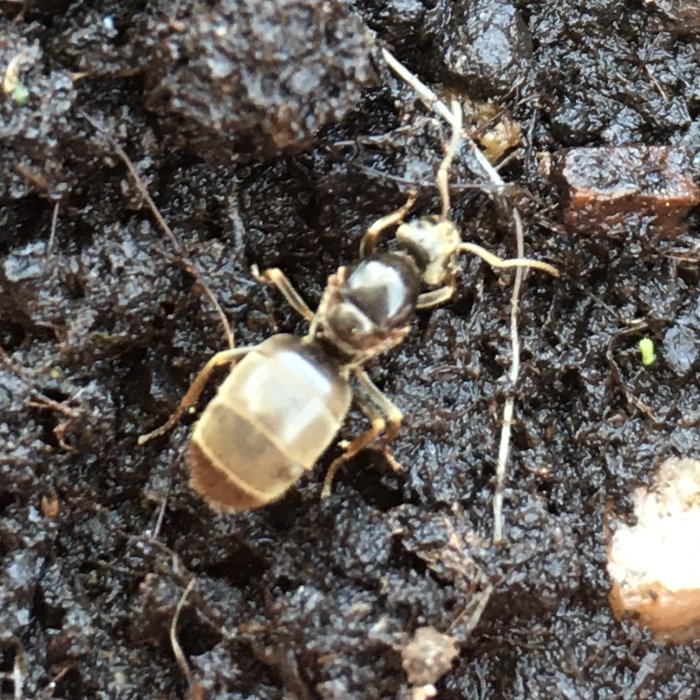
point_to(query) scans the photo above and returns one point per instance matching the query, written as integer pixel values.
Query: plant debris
(655, 574)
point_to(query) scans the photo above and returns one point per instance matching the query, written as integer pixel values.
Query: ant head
(433, 243)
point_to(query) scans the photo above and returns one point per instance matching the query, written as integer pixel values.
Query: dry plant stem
(19, 669)
(174, 643)
(192, 270)
(189, 266)
(433, 102)
(509, 406)
(161, 517)
(43, 401)
(54, 228)
(423, 184)
(19, 672)
(478, 611)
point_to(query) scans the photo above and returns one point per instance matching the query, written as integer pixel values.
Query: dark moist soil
(272, 133)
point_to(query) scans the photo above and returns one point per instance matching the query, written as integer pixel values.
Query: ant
(285, 399)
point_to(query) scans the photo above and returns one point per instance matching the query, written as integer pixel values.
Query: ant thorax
(367, 307)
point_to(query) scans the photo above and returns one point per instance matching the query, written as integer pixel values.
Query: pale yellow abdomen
(272, 418)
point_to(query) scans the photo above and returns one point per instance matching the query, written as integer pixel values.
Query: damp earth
(273, 133)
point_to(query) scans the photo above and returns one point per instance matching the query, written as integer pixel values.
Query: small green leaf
(646, 350)
(20, 94)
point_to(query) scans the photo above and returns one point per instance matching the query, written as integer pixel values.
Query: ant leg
(277, 278)
(384, 417)
(497, 262)
(369, 240)
(391, 413)
(351, 449)
(198, 384)
(435, 297)
(443, 170)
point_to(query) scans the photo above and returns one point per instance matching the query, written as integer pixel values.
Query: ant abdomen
(270, 421)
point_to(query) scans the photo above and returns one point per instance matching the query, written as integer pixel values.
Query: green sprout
(646, 350)
(20, 94)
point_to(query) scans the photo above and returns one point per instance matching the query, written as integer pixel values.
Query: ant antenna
(443, 170)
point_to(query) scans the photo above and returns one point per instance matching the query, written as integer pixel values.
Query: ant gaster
(282, 405)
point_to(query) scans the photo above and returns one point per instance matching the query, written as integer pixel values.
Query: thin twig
(54, 228)
(51, 687)
(478, 611)
(189, 266)
(19, 671)
(509, 406)
(161, 516)
(43, 401)
(177, 649)
(433, 102)
(425, 184)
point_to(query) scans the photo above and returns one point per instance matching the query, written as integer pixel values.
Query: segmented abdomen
(272, 418)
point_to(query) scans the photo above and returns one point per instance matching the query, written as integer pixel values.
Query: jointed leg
(391, 412)
(385, 418)
(369, 240)
(435, 297)
(351, 449)
(443, 170)
(221, 358)
(277, 278)
(495, 261)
